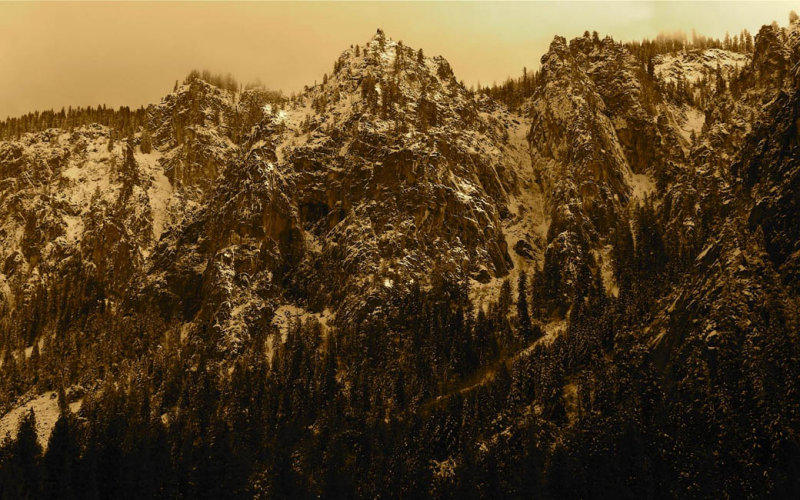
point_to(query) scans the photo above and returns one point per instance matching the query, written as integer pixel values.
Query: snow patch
(74, 229)
(45, 408)
(643, 185)
(694, 65)
(604, 260)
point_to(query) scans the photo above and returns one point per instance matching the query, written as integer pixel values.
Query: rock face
(396, 173)
(693, 65)
(384, 175)
(76, 224)
(596, 137)
(745, 188)
(389, 174)
(769, 171)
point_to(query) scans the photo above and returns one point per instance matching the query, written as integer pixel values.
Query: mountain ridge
(353, 248)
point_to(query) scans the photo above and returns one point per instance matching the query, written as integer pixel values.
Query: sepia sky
(87, 53)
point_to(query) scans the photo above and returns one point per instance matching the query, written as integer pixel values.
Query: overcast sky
(53, 55)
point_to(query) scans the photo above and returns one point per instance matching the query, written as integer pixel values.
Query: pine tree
(720, 80)
(34, 362)
(60, 459)
(504, 301)
(146, 143)
(748, 42)
(328, 387)
(523, 314)
(25, 459)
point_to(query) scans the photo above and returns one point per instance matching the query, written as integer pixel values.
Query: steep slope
(744, 270)
(390, 208)
(77, 226)
(385, 171)
(386, 174)
(598, 143)
(400, 173)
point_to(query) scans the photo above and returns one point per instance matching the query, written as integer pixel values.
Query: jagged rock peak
(770, 54)
(558, 49)
(393, 82)
(563, 58)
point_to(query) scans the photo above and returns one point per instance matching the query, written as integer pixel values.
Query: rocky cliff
(666, 187)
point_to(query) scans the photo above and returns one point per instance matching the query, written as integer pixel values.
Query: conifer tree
(26, 454)
(523, 313)
(146, 144)
(61, 458)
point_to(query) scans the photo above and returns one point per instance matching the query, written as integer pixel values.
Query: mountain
(391, 285)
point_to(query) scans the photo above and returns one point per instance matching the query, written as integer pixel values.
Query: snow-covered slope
(334, 204)
(694, 65)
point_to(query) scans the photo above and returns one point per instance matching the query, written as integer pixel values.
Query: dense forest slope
(581, 283)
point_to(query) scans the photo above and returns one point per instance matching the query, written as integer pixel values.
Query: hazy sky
(61, 54)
